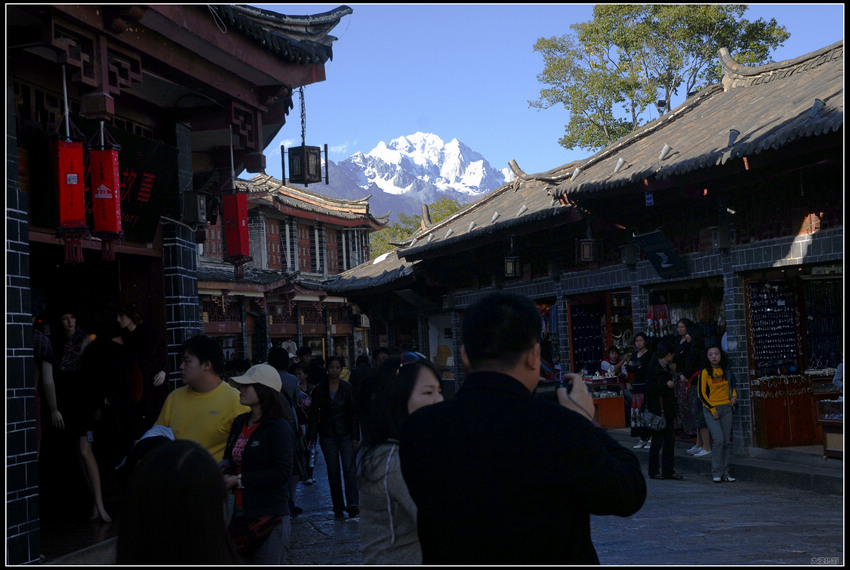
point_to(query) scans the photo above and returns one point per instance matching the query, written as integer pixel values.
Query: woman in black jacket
(257, 467)
(688, 363)
(637, 366)
(661, 400)
(333, 416)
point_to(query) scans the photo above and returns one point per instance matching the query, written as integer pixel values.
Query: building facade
(188, 95)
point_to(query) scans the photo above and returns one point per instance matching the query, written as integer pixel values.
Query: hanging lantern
(70, 171)
(305, 162)
(106, 197)
(235, 215)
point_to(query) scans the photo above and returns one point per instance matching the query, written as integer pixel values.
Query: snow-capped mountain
(413, 170)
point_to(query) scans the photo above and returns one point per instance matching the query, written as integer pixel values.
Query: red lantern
(70, 171)
(106, 197)
(236, 249)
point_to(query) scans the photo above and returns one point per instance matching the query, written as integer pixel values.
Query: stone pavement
(782, 467)
(785, 508)
(317, 537)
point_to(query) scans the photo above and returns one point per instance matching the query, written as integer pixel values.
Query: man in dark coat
(500, 476)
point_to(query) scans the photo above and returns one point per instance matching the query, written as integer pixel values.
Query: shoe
(716, 479)
(694, 449)
(353, 512)
(308, 482)
(339, 514)
(656, 477)
(674, 476)
(702, 453)
(641, 444)
(728, 478)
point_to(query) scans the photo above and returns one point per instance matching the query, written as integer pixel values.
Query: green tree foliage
(610, 72)
(382, 242)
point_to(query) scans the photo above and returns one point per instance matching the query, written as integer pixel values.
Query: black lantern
(512, 266)
(305, 164)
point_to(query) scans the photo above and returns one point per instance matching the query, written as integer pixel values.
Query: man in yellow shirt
(204, 408)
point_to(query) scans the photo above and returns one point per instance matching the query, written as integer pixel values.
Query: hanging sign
(105, 179)
(235, 215)
(658, 250)
(70, 188)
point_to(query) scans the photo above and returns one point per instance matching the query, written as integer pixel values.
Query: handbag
(653, 422)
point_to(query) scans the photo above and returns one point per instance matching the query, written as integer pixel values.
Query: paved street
(317, 537)
(693, 522)
(697, 521)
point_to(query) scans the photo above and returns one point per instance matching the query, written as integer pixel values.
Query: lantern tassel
(107, 251)
(73, 249)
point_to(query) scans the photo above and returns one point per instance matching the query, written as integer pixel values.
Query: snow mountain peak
(413, 170)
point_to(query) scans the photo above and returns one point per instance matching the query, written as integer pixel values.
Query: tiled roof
(769, 106)
(265, 188)
(527, 200)
(220, 271)
(383, 270)
(298, 39)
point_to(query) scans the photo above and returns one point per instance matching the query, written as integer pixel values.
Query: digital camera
(546, 388)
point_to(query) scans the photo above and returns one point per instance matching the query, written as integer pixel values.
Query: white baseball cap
(260, 374)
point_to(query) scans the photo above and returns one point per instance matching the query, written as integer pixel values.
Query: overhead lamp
(816, 107)
(448, 233)
(733, 135)
(512, 262)
(620, 164)
(471, 225)
(512, 266)
(576, 172)
(495, 217)
(664, 152)
(523, 209)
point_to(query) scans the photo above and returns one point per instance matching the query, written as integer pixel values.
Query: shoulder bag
(653, 422)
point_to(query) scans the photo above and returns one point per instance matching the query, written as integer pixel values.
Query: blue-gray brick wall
(23, 535)
(184, 318)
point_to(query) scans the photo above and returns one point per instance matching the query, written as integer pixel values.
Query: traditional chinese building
(185, 96)
(298, 239)
(727, 211)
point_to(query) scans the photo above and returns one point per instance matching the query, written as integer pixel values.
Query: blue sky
(468, 72)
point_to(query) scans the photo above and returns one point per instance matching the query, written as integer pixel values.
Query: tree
(611, 71)
(382, 242)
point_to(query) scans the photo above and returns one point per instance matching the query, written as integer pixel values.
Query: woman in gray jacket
(388, 532)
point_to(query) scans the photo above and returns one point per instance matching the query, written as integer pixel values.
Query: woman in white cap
(257, 467)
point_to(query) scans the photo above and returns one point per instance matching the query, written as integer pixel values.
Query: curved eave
(387, 269)
(371, 284)
(301, 40)
(471, 239)
(215, 275)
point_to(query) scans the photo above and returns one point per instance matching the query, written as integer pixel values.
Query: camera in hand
(546, 389)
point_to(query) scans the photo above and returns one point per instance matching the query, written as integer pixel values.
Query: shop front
(795, 331)
(599, 321)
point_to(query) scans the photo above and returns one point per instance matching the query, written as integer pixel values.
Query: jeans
(275, 549)
(338, 449)
(664, 441)
(720, 430)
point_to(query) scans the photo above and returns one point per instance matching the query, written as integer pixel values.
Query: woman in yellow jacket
(718, 396)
